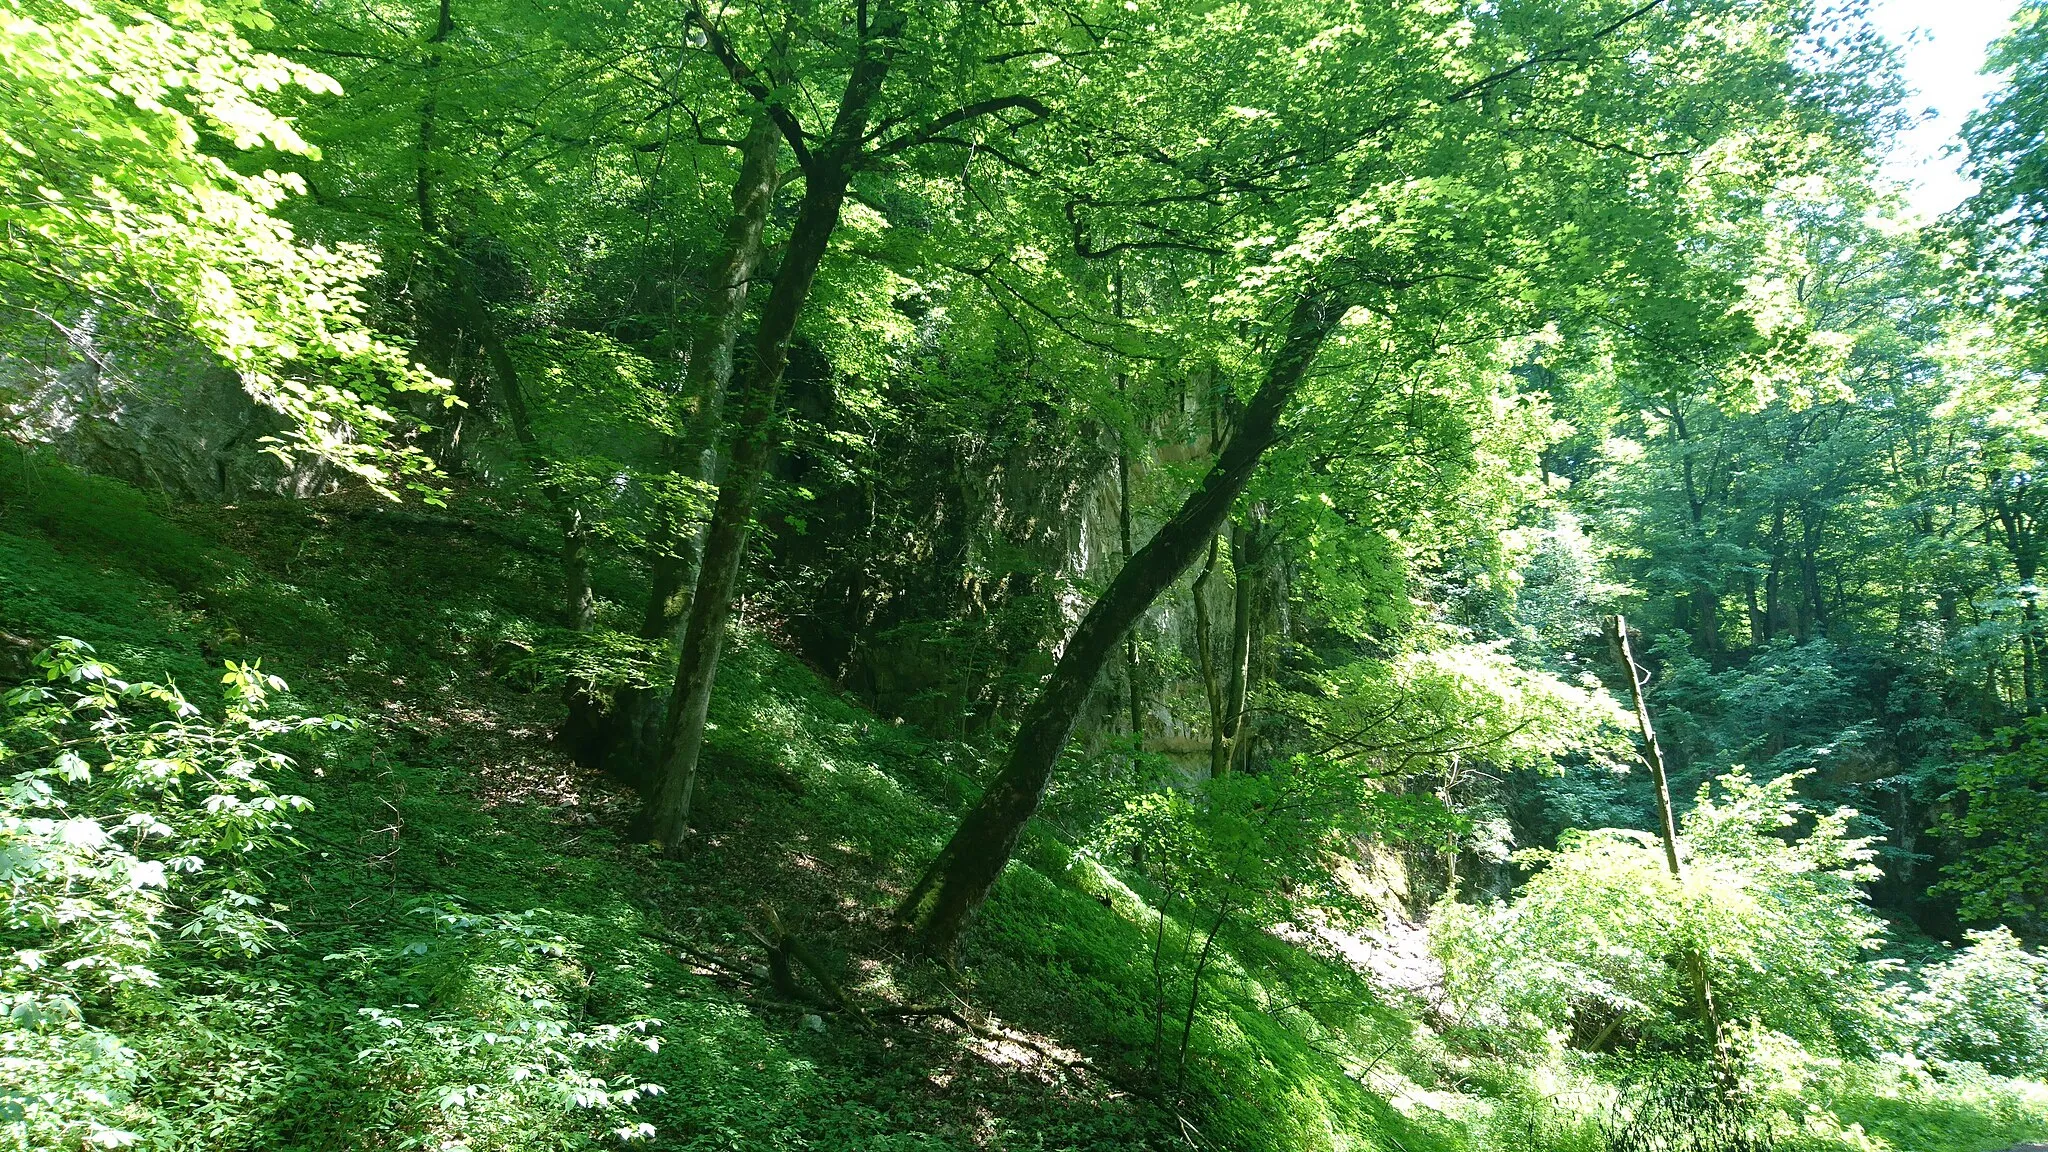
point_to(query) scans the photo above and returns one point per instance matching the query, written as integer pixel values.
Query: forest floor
(814, 816)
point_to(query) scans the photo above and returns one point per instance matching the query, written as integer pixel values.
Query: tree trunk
(1816, 612)
(753, 431)
(1705, 603)
(2028, 565)
(440, 326)
(2030, 668)
(1136, 699)
(1240, 644)
(1205, 653)
(673, 549)
(1777, 613)
(2018, 534)
(1257, 544)
(1706, 606)
(1159, 984)
(576, 571)
(578, 600)
(1123, 530)
(1653, 755)
(1759, 623)
(692, 454)
(982, 844)
(1187, 1028)
(1696, 965)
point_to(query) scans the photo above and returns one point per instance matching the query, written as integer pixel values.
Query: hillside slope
(467, 921)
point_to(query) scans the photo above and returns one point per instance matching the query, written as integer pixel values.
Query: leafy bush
(2001, 803)
(151, 225)
(1595, 947)
(601, 659)
(1987, 1005)
(493, 1054)
(1674, 1106)
(134, 857)
(1892, 1104)
(113, 833)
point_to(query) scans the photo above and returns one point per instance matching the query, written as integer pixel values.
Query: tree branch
(749, 80)
(932, 132)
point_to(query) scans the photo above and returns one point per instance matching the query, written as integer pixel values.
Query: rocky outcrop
(936, 575)
(163, 417)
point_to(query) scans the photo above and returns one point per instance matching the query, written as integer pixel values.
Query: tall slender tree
(864, 129)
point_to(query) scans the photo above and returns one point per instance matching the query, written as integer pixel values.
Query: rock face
(939, 588)
(157, 416)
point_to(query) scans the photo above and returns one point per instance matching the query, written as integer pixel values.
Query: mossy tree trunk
(981, 846)
(635, 740)
(827, 173)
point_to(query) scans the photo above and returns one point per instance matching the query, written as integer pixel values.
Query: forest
(810, 575)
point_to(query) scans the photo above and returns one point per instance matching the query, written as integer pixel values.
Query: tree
(480, 181)
(829, 164)
(123, 214)
(971, 861)
(2001, 222)
(1398, 201)
(2000, 804)
(1590, 948)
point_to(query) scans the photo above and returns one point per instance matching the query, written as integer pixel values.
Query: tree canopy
(1210, 553)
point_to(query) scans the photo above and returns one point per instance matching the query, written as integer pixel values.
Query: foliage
(1675, 1106)
(1618, 317)
(1988, 1005)
(558, 657)
(2001, 871)
(2002, 220)
(121, 217)
(1892, 1103)
(1470, 701)
(823, 801)
(116, 832)
(1594, 947)
(495, 1057)
(143, 871)
(1249, 851)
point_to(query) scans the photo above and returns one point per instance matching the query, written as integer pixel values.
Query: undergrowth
(469, 954)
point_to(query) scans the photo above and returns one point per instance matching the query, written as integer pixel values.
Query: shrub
(115, 833)
(1998, 808)
(1597, 945)
(495, 1053)
(1987, 1005)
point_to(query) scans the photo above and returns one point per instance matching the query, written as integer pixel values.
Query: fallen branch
(782, 947)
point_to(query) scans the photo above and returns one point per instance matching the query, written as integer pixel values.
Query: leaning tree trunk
(583, 727)
(1667, 824)
(753, 434)
(579, 602)
(672, 563)
(981, 846)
